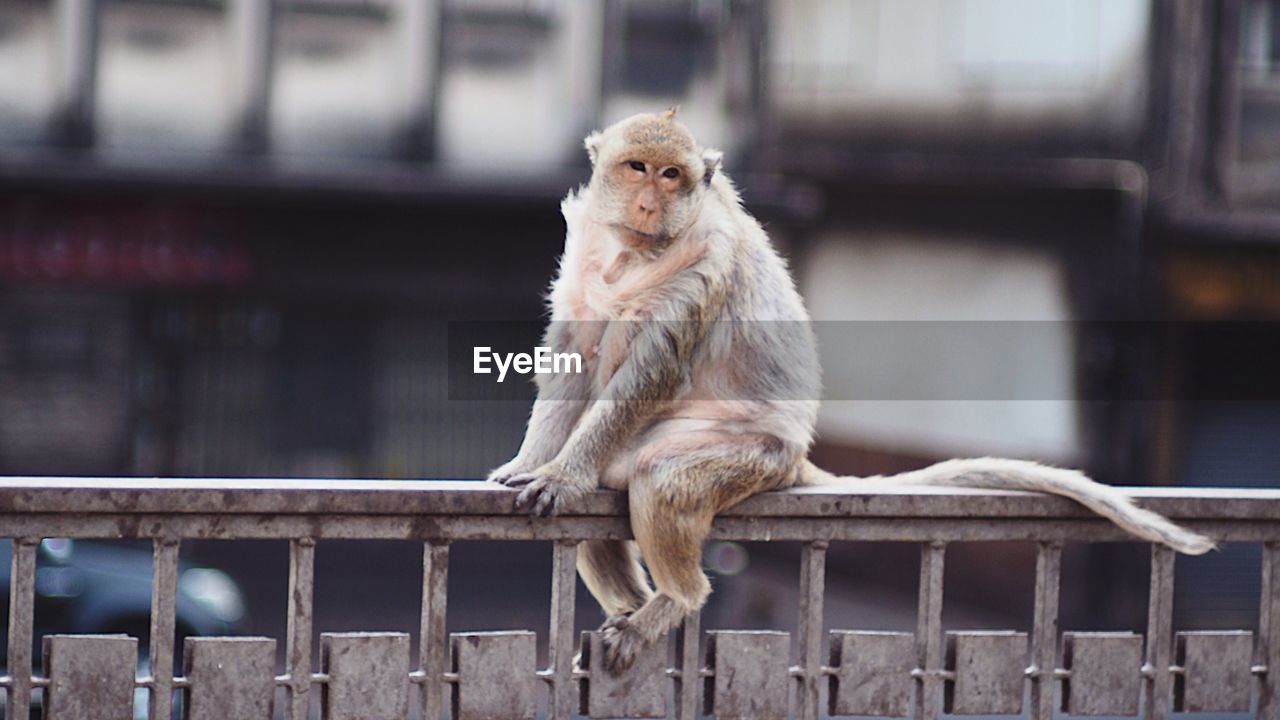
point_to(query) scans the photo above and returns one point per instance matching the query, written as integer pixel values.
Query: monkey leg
(681, 483)
(612, 572)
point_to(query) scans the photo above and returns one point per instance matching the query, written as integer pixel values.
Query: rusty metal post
(1044, 633)
(688, 682)
(813, 570)
(930, 657)
(164, 593)
(22, 588)
(1158, 681)
(564, 579)
(1267, 648)
(302, 558)
(433, 639)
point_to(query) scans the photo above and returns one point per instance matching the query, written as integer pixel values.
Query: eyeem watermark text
(541, 362)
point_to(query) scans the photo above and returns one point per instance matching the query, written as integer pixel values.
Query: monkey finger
(519, 480)
(548, 504)
(524, 498)
(505, 472)
(545, 504)
(529, 497)
(541, 507)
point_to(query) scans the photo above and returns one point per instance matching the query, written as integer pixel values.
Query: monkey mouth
(656, 237)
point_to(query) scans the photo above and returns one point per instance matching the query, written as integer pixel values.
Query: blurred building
(232, 232)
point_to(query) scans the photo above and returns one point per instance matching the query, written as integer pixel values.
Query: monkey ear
(592, 144)
(711, 159)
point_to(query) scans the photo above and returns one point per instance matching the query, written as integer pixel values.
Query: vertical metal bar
(1267, 649)
(251, 29)
(1044, 631)
(418, 27)
(813, 573)
(22, 587)
(433, 647)
(564, 579)
(688, 682)
(1226, 98)
(743, 54)
(613, 24)
(76, 29)
(760, 98)
(929, 648)
(164, 593)
(302, 558)
(1158, 680)
(583, 58)
(1185, 52)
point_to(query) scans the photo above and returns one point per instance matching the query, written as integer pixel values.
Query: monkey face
(655, 197)
(649, 177)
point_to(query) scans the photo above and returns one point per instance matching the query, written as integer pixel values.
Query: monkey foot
(615, 621)
(611, 621)
(622, 643)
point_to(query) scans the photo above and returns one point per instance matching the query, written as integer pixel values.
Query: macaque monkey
(700, 384)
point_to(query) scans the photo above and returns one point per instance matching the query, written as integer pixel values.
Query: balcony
(726, 674)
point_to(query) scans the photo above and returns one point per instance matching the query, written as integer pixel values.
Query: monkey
(701, 381)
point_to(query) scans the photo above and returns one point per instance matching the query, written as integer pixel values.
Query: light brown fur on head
(649, 177)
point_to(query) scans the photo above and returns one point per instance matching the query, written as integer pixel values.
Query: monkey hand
(549, 488)
(513, 467)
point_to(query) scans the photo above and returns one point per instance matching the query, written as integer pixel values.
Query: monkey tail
(1003, 474)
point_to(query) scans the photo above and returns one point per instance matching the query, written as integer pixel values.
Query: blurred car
(83, 586)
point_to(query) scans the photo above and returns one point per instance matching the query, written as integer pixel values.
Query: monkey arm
(562, 398)
(657, 365)
(561, 401)
(651, 375)
(659, 362)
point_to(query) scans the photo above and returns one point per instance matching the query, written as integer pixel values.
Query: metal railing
(740, 674)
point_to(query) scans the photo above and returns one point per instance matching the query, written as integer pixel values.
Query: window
(1250, 152)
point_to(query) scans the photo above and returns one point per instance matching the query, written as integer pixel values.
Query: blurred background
(233, 234)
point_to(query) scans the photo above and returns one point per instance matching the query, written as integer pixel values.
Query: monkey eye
(671, 173)
(636, 165)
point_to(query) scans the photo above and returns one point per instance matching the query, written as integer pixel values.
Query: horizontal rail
(926, 674)
(450, 510)
(386, 527)
(452, 498)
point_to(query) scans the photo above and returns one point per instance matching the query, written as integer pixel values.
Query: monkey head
(649, 177)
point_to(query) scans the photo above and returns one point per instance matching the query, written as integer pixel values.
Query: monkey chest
(610, 304)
